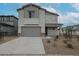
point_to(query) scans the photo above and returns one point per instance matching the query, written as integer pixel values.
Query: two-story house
(8, 25)
(35, 21)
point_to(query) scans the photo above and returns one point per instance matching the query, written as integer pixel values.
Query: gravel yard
(7, 38)
(59, 47)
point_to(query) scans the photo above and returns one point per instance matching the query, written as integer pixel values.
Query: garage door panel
(52, 32)
(30, 31)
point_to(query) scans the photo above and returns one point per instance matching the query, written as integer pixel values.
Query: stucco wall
(20, 21)
(42, 20)
(34, 21)
(29, 9)
(24, 19)
(39, 20)
(50, 18)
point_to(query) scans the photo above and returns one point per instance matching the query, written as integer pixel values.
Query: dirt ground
(60, 48)
(7, 38)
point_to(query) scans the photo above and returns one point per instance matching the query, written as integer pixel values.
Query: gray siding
(12, 22)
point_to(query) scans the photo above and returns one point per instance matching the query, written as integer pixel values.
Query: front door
(46, 31)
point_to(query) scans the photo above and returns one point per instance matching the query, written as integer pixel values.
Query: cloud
(76, 6)
(49, 7)
(69, 18)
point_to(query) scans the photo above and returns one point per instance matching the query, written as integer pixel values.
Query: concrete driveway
(23, 45)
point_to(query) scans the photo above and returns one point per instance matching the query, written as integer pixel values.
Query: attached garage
(31, 31)
(51, 31)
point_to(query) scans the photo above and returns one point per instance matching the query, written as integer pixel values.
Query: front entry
(51, 31)
(45, 31)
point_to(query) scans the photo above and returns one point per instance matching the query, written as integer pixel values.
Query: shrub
(56, 38)
(48, 41)
(54, 45)
(70, 46)
(0, 35)
(78, 38)
(65, 41)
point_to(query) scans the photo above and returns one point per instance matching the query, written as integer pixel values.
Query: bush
(0, 35)
(70, 46)
(48, 41)
(54, 45)
(56, 38)
(78, 38)
(65, 41)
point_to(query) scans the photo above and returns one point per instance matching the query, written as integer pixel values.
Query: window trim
(31, 14)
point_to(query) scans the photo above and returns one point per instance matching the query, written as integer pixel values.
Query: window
(11, 19)
(8, 19)
(31, 14)
(5, 19)
(2, 19)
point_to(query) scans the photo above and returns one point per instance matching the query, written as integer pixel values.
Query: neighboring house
(74, 29)
(8, 25)
(36, 21)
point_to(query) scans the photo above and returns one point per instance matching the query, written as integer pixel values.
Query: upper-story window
(2, 19)
(7, 19)
(31, 14)
(11, 19)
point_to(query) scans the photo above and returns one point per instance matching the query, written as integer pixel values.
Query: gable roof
(5, 24)
(9, 16)
(72, 27)
(30, 4)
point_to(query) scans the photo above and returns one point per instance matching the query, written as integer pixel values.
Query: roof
(9, 16)
(4, 24)
(54, 25)
(73, 27)
(30, 4)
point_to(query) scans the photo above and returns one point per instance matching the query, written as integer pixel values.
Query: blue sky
(69, 13)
